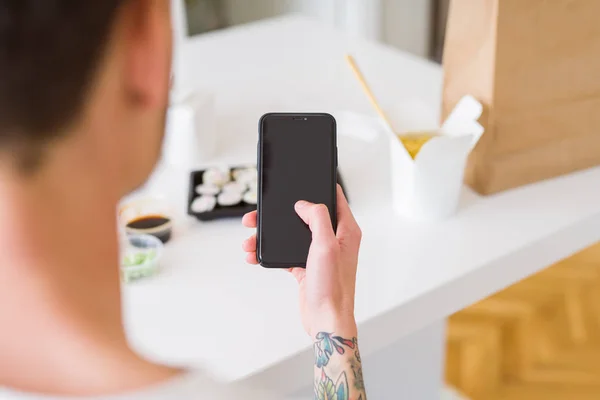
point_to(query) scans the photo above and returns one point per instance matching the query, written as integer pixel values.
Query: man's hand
(327, 285)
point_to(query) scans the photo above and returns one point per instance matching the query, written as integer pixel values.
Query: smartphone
(297, 160)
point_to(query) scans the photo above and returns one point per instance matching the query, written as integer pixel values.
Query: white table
(209, 309)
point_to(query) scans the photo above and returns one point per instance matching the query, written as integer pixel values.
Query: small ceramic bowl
(147, 216)
(140, 257)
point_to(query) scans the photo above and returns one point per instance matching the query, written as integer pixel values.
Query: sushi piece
(250, 197)
(246, 175)
(230, 198)
(216, 176)
(235, 187)
(208, 189)
(203, 204)
(253, 186)
(238, 173)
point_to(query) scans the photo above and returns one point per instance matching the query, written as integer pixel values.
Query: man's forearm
(338, 367)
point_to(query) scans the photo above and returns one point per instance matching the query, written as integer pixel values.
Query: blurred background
(415, 26)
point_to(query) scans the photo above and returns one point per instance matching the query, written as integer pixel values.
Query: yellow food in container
(414, 141)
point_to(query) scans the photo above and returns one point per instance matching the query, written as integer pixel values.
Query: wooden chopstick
(365, 86)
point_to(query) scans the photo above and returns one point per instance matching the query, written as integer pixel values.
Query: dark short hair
(48, 53)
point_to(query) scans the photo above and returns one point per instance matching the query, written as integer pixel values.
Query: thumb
(317, 217)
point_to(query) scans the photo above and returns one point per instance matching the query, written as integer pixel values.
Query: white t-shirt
(191, 386)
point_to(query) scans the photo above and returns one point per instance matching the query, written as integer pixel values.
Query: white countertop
(209, 308)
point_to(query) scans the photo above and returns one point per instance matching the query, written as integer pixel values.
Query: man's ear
(149, 45)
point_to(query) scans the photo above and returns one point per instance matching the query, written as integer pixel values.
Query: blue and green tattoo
(349, 384)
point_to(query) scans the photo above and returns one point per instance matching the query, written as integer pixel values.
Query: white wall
(242, 11)
(407, 25)
(404, 24)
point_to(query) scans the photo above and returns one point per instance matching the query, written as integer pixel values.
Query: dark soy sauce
(152, 224)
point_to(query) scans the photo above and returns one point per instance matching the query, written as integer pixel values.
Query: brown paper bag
(535, 65)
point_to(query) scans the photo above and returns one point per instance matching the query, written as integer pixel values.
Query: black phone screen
(297, 161)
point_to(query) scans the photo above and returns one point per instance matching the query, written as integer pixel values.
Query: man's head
(84, 80)
(84, 88)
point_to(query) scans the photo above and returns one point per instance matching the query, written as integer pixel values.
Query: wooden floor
(538, 339)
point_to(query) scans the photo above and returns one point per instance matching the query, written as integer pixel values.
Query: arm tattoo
(348, 368)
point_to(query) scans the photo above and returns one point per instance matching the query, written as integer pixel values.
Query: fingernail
(302, 204)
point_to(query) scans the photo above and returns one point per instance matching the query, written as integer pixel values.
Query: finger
(317, 217)
(346, 221)
(249, 244)
(251, 258)
(249, 220)
(298, 273)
